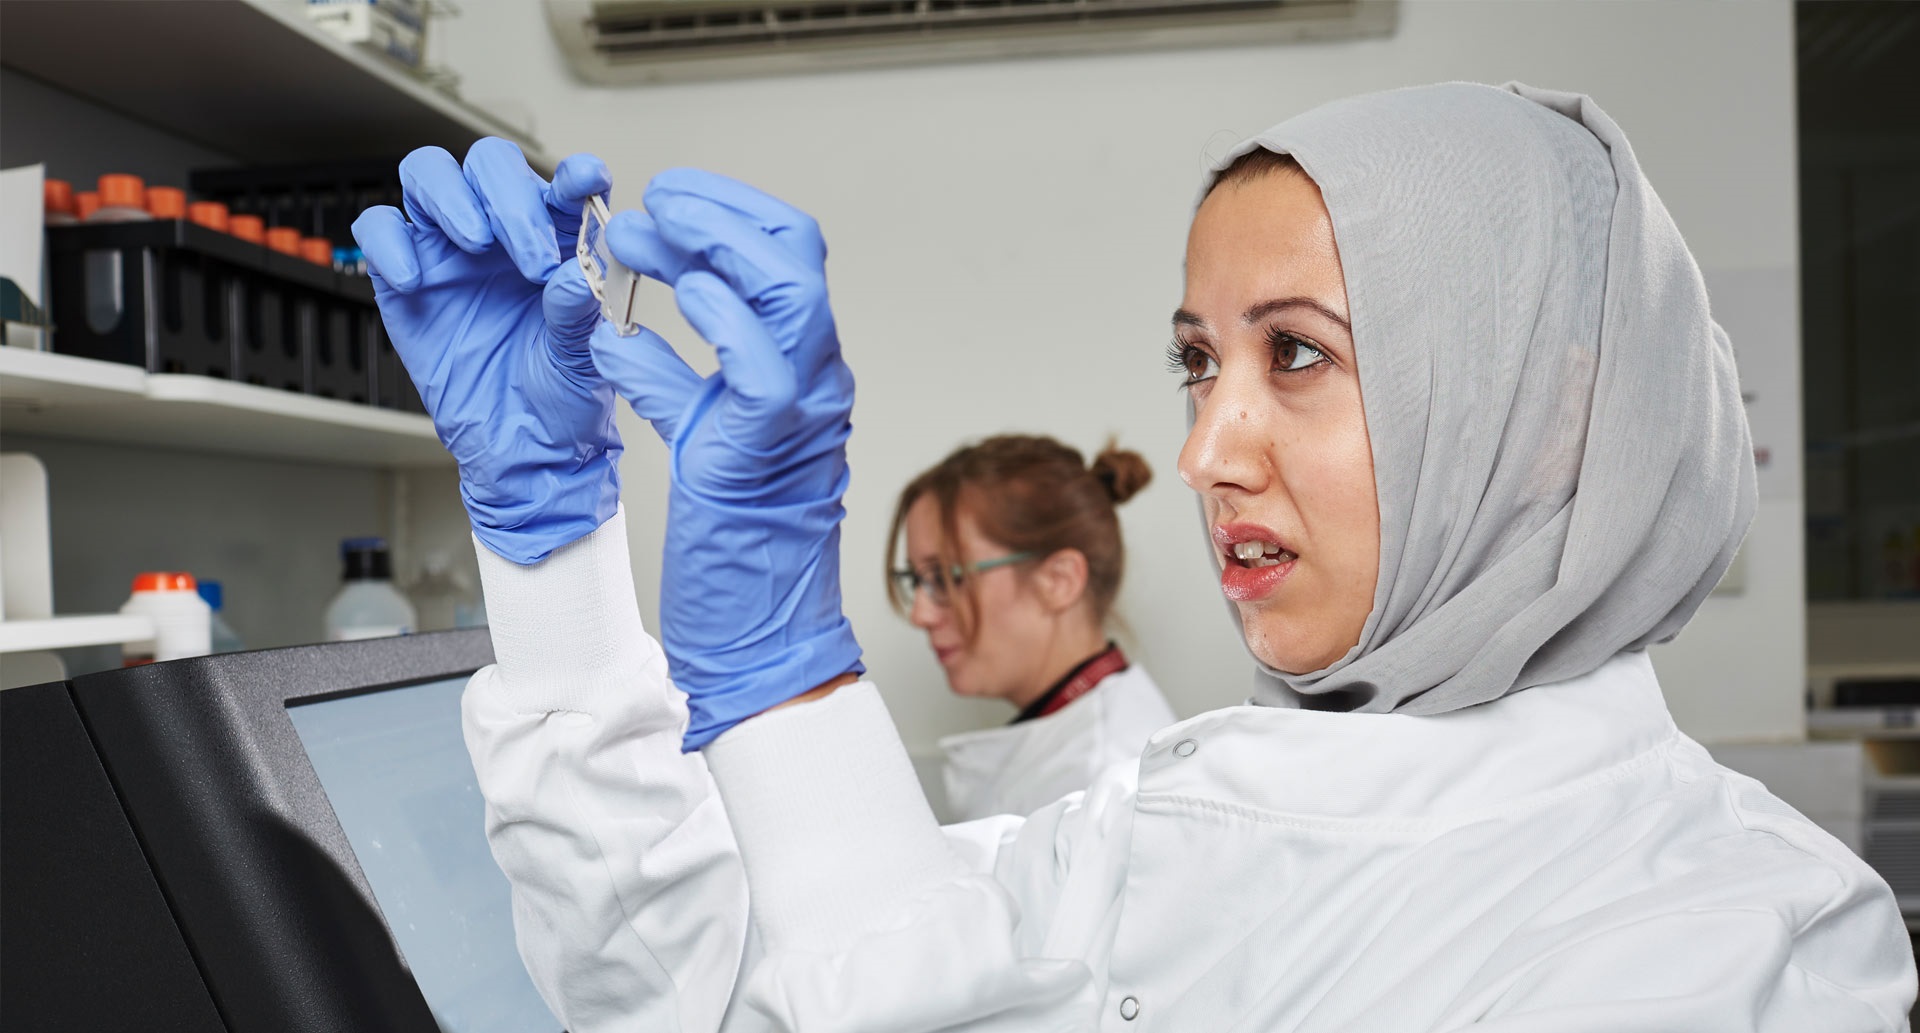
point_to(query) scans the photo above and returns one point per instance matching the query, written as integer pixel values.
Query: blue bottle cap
(211, 593)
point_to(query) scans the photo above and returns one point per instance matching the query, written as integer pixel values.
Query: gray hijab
(1563, 463)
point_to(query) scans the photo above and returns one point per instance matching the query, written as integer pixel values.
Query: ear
(1061, 579)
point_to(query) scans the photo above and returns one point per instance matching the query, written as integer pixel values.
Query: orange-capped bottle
(284, 239)
(248, 227)
(318, 250)
(211, 214)
(85, 203)
(167, 202)
(58, 197)
(123, 198)
(182, 621)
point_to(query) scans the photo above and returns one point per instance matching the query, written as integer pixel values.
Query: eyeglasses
(911, 580)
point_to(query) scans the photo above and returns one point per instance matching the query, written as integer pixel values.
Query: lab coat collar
(986, 750)
(1014, 769)
(1450, 768)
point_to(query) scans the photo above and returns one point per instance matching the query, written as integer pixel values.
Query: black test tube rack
(171, 296)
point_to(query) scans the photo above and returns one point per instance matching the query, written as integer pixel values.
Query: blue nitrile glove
(750, 590)
(490, 313)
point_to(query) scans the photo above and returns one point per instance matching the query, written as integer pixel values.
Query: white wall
(1007, 241)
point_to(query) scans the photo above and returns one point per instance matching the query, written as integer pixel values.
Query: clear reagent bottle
(367, 605)
(225, 639)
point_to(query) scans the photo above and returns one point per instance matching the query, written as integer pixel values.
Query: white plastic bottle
(182, 621)
(367, 605)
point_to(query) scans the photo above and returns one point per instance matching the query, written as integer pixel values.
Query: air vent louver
(612, 41)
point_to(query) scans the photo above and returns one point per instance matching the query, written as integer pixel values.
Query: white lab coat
(1559, 860)
(1020, 768)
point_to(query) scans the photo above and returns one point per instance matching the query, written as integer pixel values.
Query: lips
(1254, 562)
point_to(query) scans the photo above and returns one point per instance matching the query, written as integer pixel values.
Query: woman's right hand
(490, 313)
(750, 590)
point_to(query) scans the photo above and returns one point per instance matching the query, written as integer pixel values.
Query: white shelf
(104, 629)
(65, 396)
(251, 78)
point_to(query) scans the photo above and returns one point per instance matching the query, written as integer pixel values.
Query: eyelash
(1180, 356)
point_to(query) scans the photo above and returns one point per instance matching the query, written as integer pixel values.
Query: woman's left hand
(750, 588)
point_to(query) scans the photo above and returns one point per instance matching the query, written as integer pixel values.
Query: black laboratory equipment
(172, 296)
(282, 841)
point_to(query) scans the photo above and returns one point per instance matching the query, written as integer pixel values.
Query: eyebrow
(1182, 317)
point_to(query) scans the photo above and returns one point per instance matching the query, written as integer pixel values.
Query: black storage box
(167, 296)
(320, 199)
(171, 296)
(392, 386)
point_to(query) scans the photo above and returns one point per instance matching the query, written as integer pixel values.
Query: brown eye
(1284, 352)
(1193, 365)
(1291, 353)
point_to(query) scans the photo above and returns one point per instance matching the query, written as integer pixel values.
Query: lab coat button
(1185, 747)
(1130, 1007)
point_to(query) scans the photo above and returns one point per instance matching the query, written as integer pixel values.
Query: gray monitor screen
(396, 770)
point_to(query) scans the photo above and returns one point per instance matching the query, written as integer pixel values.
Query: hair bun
(1122, 471)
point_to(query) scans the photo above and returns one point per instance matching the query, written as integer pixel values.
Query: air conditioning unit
(614, 42)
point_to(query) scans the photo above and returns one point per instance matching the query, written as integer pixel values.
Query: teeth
(1259, 554)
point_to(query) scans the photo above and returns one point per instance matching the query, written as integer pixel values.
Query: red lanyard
(1078, 684)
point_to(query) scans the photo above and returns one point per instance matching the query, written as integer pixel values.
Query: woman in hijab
(1467, 441)
(1012, 561)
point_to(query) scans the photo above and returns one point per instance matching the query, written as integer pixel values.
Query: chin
(959, 686)
(1266, 636)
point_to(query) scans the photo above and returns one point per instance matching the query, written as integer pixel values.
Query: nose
(1225, 452)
